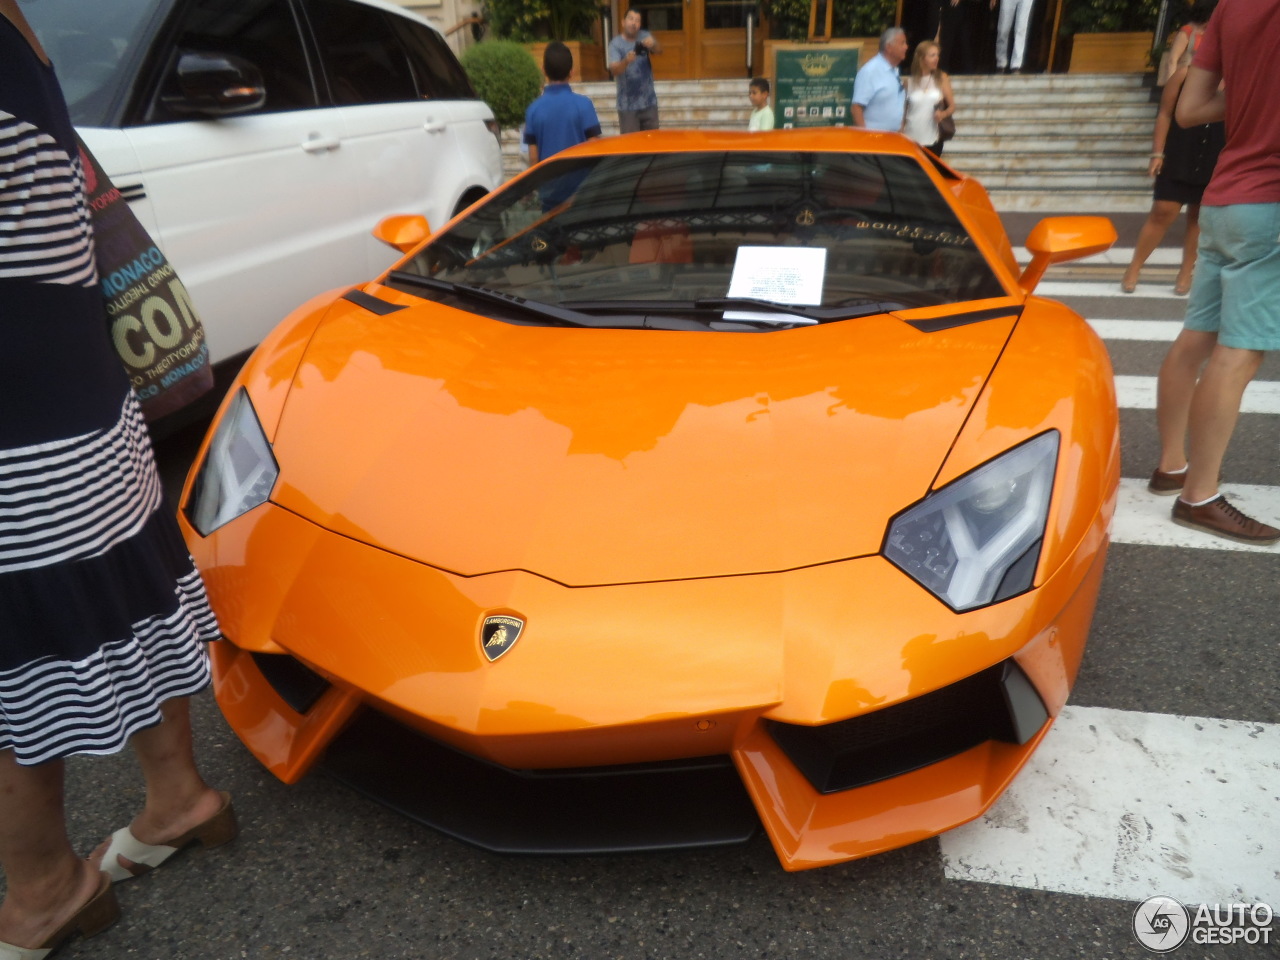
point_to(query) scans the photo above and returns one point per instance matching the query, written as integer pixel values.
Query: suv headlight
(238, 472)
(977, 540)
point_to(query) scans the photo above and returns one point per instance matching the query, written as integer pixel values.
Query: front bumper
(615, 676)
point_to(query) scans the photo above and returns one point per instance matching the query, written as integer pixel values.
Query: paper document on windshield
(779, 275)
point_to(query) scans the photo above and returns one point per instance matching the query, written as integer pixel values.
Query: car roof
(828, 139)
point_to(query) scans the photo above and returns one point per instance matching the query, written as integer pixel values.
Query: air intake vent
(298, 686)
(997, 704)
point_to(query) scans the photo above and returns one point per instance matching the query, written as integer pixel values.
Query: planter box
(1110, 52)
(588, 59)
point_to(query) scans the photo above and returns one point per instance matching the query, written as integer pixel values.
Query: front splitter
(670, 805)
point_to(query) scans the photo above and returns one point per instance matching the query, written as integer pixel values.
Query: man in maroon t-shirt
(1233, 315)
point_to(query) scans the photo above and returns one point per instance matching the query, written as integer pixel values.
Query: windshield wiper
(543, 311)
(787, 312)
(843, 311)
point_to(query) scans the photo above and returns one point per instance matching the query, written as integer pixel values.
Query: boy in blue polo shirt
(559, 118)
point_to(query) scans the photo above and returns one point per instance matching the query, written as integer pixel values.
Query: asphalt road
(320, 872)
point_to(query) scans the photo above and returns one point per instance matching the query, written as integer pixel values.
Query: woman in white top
(929, 98)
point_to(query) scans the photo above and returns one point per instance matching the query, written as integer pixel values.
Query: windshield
(93, 45)
(788, 227)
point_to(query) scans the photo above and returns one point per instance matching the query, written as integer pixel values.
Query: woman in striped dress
(103, 618)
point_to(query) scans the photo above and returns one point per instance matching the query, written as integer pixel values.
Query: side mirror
(403, 231)
(1060, 239)
(216, 85)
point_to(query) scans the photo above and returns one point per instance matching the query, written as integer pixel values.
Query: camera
(641, 49)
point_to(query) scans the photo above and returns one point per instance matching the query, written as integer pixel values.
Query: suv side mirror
(402, 231)
(1059, 239)
(216, 85)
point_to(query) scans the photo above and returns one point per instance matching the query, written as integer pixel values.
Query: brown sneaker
(1222, 519)
(1163, 484)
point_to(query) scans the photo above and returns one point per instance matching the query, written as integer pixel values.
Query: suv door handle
(315, 143)
(432, 126)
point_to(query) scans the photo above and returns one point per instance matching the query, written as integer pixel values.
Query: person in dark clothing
(953, 36)
(103, 617)
(1182, 162)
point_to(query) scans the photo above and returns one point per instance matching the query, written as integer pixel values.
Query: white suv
(260, 140)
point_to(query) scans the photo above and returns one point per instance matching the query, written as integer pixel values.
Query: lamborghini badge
(499, 635)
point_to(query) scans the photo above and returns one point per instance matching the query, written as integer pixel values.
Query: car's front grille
(298, 685)
(668, 805)
(999, 703)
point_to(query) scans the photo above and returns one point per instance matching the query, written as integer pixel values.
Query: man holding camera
(629, 54)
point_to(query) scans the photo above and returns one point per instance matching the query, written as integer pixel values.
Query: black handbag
(946, 126)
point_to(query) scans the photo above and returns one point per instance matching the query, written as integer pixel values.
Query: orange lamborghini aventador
(689, 483)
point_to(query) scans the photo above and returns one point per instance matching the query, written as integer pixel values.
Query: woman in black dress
(1182, 162)
(103, 618)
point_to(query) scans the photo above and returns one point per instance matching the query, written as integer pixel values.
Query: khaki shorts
(1236, 293)
(633, 121)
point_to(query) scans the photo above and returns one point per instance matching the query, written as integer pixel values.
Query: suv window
(362, 57)
(264, 32)
(94, 47)
(439, 75)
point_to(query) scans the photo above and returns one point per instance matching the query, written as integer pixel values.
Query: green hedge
(789, 19)
(1113, 16)
(532, 21)
(505, 76)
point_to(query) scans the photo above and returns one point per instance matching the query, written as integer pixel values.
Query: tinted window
(96, 49)
(362, 57)
(439, 75)
(728, 13)
(658, 14)
(669, 226)
(264, 32)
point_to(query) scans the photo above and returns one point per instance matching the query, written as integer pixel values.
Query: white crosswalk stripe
(1120, 256)
(1058, 289)
(1139, 393)
(1127, 805)
(1154, 330)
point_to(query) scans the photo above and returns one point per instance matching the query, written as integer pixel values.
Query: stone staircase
(1057, 143)
(1065, 142)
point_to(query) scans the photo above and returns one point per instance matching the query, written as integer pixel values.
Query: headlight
(238, 471)
(977, 540)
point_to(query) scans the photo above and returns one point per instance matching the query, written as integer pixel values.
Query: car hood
(614, 456)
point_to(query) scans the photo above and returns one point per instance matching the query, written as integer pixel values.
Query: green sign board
(814, 86)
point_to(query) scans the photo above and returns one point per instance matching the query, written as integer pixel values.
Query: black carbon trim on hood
(372, 304)
(934, 324)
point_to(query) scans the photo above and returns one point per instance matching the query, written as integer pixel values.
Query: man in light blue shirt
(878, 95)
